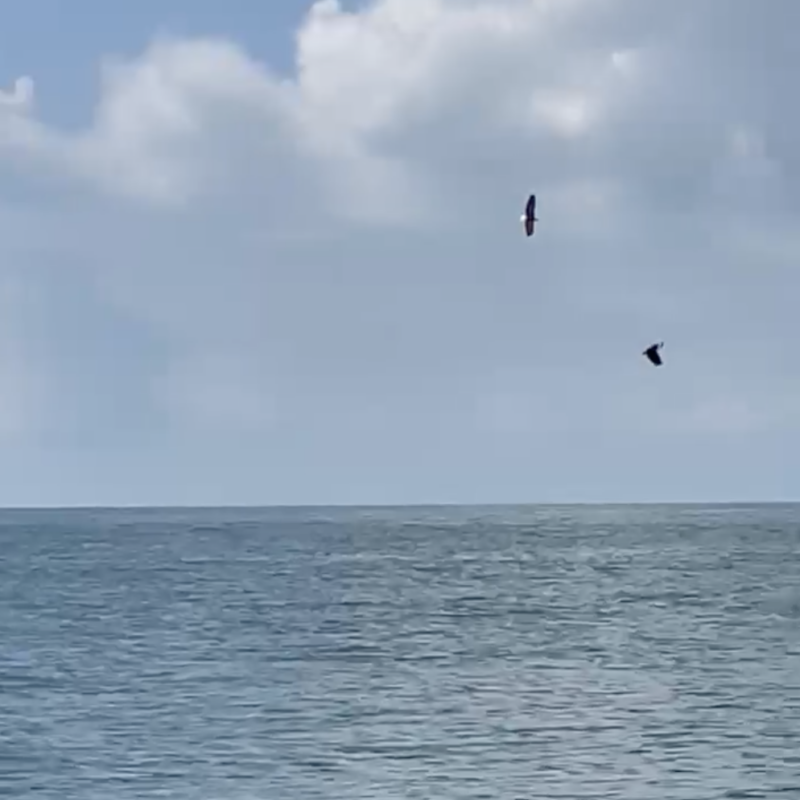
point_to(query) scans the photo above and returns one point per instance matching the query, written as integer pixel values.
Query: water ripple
(502, 653)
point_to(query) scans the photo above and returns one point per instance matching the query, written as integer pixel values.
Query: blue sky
(61, 43)
(271, 253)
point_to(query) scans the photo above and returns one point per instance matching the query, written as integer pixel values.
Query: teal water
(498, 653)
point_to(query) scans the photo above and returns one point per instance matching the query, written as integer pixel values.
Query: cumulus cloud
(340, 246)
(21, 95)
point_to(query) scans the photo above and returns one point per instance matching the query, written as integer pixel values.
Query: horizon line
(397, 506)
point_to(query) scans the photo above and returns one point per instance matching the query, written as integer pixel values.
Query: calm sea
(433, 653)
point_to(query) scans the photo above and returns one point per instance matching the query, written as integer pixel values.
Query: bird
(529, 217)
(653, 355)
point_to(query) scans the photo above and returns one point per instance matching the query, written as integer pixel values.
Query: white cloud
(20, 98)
(176, 121)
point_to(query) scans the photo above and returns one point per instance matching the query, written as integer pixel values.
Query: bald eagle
(529, 217)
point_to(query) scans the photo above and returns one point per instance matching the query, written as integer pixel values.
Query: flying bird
(529, 217)
(653, 355)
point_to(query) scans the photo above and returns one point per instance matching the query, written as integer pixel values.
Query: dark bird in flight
(529, 217)
(653, 355)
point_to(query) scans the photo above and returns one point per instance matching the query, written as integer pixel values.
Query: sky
(271, 253)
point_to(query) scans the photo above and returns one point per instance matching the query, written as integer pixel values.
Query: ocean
(502, 653)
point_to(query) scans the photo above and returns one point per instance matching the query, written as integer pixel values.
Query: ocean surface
(434, 653)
